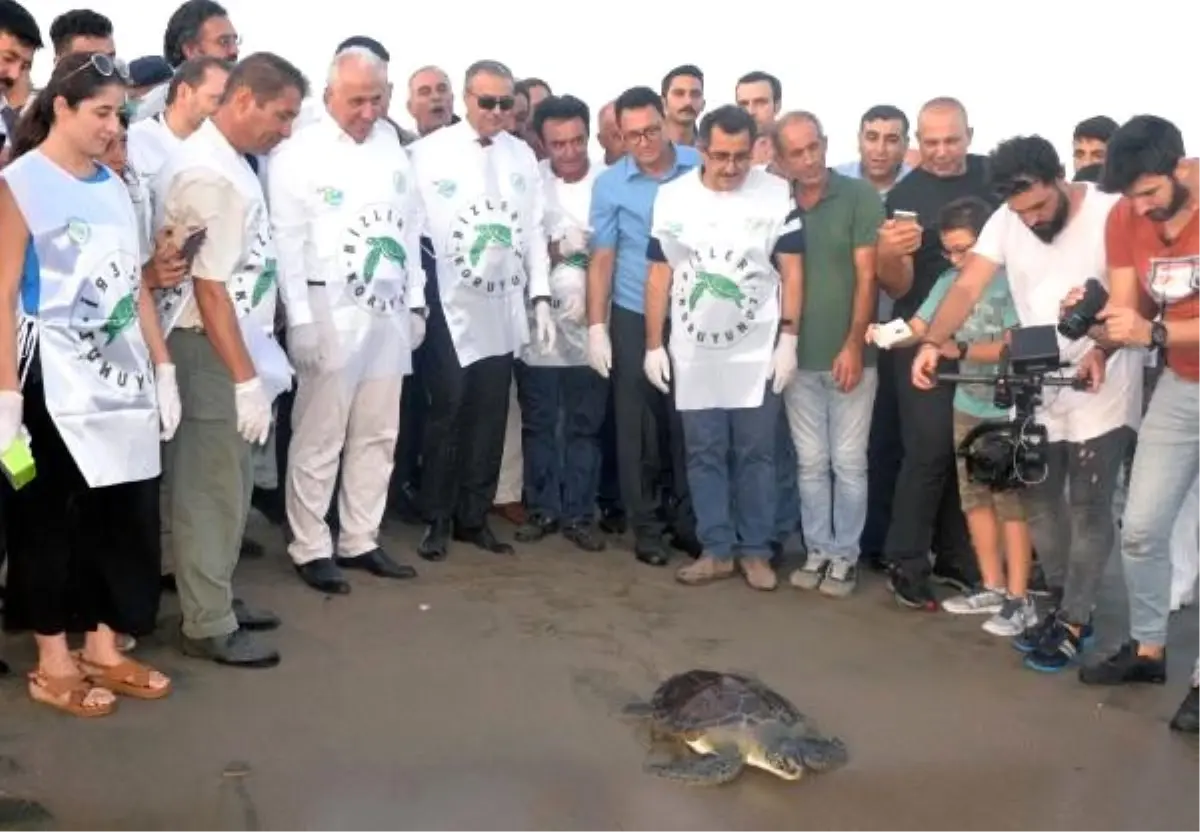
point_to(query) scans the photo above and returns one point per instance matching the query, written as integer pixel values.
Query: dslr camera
(1007, 456)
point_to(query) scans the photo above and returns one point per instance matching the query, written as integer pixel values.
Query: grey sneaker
(810, 575)
(241, 648)
(841, 577)
(975, 603)
(1014, 617)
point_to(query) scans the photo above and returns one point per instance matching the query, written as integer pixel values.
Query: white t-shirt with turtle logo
(347, 221)
(724, 302)
(567, 206)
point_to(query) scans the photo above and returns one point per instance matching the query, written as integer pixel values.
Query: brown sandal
(50, 690)
(129, 678)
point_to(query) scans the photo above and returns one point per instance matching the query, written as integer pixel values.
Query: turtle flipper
(822, 754)
(637, 709)
(707, 770)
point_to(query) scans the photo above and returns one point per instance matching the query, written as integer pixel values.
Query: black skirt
(77, 556)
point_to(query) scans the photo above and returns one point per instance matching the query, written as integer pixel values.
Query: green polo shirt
(847, 217)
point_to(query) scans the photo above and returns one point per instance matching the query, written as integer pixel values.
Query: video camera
(1006, 456)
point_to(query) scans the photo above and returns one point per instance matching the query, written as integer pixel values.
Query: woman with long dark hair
(83, 365)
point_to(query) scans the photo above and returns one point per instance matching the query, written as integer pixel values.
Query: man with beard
(1049, 237)
(1153, 243)
(683, 102)
(198, 27)
(1090, 140)
(19, 39)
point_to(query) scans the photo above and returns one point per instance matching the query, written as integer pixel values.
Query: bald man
(609, 134)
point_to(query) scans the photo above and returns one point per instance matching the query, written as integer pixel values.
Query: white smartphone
(891, 333)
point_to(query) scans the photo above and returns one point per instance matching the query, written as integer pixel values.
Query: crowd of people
(222, 288)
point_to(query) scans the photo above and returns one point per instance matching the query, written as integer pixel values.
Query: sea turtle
(733, 721)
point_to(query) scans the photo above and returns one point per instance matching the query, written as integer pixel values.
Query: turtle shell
(699, 699)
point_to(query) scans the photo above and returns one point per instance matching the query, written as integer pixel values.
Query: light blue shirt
(854, 171)
(622, 203)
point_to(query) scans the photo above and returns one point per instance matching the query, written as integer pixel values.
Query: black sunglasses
(104, 65)
(491, 102)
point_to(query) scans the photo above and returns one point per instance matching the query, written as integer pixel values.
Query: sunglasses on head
(104, 65)
(491, 102)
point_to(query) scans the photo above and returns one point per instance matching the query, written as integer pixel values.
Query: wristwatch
(1158, 334)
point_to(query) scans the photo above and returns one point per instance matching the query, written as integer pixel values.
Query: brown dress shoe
(512, 512)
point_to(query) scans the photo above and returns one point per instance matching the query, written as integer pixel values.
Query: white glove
(170, 409)
(416, 336)
(599, 349)
(574, 308)
(253, 411)
(12, 411)
(546, 330)
(574, 241)
(305, 347)
(783, 362)
(657, 366)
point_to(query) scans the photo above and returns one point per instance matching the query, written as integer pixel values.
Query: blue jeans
(830, 430)
(1164, 469)
(731, 474)
(787, 498)
(562, 410)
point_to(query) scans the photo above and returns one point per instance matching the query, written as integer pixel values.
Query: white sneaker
(1014, 618)
(975, 603)
(840, 578)
(810, 575)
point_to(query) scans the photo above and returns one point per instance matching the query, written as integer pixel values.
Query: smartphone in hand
(191, 246)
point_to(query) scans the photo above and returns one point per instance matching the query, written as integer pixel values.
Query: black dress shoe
(249, 618)
(612, 521)
(378, 564)
(483, 538)
(324, 576)
(651, 551)
(435, 541)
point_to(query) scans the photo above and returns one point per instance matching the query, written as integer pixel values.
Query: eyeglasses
(104, 65)
(491, 102)
(228, 41)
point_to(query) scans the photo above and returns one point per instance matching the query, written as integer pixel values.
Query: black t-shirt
(926, 195)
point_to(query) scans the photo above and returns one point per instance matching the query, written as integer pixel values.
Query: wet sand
(495, 708)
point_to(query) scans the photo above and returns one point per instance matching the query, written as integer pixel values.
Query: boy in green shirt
(990, 515)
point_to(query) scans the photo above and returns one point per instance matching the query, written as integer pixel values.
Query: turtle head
(784, 758)
(813, 753)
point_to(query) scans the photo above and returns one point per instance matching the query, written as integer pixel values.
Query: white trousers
(511, 484)
(334, 418)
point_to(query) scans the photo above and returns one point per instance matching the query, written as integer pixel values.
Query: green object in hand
(17, 461)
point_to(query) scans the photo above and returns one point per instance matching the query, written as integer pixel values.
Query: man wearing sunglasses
(483, 198)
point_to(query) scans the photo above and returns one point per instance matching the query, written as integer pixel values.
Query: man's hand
(950, 350)
(599, 350)
(253, 411)
(1125, 326)
(783, 363)
(924, 367)
(546, 330)
(1091, 368)
(305, 347)
(167, 267)
(657, 366)
(848, 367)
(897, 239)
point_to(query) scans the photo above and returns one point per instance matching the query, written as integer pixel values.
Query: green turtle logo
(445, 188)
(382, 248)
(332, 196)
(716, 285)
(579, 260)
(122, 317)
(266, 279)
(489, 232)
(78, 231)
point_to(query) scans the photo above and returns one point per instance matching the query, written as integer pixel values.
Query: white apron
(364, 230)
(96, 368)
(482, 208)
(724, 306)
(567, 206)
(254, 288)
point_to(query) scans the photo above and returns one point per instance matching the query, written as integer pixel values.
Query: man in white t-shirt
(1049, 236)
(725, 261)
(557, 387)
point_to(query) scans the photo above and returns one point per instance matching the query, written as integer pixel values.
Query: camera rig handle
(1075, 383)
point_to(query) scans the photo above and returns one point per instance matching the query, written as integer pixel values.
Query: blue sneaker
(1029, 641)
(1058, 650)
